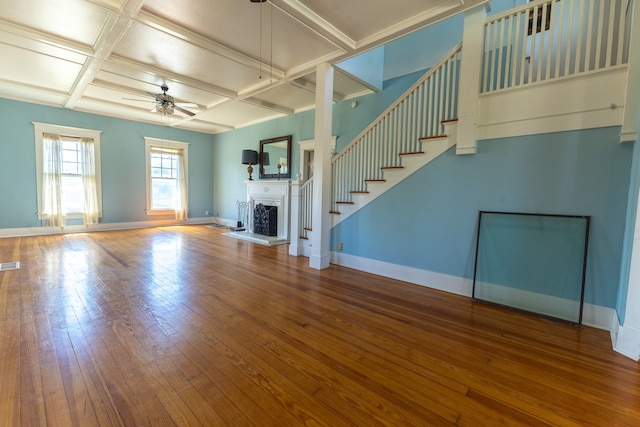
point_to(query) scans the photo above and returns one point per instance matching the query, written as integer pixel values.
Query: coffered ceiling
(237, 62)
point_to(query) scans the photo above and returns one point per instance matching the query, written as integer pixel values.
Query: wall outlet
(206, 213)
(340, 246)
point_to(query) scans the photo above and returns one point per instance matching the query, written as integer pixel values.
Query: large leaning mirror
(275, 157)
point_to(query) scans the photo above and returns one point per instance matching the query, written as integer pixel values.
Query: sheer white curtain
(91, 210)
(181, 199)
(52, 209)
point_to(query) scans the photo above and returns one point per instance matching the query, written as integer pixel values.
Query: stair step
(375, 180)
(359, 192)
(307, 229)
(334, 212)
(412, 153)
(304, 237)
(391, 167)
(448, 121)
(344, 203)
(426, 138)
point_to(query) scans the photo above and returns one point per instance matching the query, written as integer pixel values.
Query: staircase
(414, 130)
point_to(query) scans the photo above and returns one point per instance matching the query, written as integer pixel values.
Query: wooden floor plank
(186, 326)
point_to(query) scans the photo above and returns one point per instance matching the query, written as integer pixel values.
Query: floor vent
(9, 266)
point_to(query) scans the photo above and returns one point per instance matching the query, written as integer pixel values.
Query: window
(68, 174)
(167, 183)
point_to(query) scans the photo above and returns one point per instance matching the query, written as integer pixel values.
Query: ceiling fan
(165, 104)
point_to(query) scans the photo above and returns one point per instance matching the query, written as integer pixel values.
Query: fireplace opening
(265, 220)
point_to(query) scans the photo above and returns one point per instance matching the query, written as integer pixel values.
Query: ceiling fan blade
(182, 110)
(140, 100)
(186, 105)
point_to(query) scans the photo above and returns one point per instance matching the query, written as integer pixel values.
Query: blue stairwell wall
(429, 220)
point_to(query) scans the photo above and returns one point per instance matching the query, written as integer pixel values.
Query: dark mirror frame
(264, 142)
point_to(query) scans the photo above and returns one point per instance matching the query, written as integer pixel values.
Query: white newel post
(295, 248)
(321, 222)
(470, 63)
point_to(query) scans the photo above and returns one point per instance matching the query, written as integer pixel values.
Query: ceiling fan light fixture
(165, 108)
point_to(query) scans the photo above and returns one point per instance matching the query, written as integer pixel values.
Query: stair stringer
(431, 149)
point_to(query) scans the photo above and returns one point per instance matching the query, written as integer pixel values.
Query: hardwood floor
(185, 326)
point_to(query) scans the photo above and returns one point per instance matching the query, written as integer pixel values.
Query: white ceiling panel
(261, 26)
(374, 16)
(77, 20)
(166, 52)
(241, 62)
(34, 69)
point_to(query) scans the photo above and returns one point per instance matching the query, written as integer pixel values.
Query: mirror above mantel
(275, 157)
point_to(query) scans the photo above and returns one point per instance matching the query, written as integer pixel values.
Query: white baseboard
(625, 339)
(430, 279)
(70, 229)
(592, 315)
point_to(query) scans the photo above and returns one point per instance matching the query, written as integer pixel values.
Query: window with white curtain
(68, 174)
(167, 183)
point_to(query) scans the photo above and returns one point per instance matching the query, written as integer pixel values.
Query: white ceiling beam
(111, 34)
(268, 105)
(24, 86)
(315, 22)
(414, 23)
(367, 85)
(32, 34)
(181, 33)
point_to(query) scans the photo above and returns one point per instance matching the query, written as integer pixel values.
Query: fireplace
(265, 220)
(268, 213)
(270, 194)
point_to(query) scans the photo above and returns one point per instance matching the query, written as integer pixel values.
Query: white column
(626, 334)
(470, 64)
(321, 223)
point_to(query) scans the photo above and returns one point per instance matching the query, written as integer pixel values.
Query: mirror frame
(264, 142)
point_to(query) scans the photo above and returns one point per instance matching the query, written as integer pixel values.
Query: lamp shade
(249, 157)
(265, 159)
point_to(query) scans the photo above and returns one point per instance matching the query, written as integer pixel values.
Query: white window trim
(42, 128)
(156, 142)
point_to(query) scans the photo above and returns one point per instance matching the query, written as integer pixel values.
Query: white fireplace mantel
(271, 193)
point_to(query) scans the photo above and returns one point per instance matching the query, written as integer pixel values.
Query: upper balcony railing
(551, 39)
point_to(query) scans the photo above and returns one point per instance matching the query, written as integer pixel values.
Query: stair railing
(306, 208)
(416, 115)
(550, 39)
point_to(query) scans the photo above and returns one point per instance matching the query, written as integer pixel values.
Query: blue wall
(122, 162)
(428, 221)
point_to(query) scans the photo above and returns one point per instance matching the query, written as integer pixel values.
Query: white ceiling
(241, 62)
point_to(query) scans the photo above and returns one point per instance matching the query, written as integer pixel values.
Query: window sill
(154, 212)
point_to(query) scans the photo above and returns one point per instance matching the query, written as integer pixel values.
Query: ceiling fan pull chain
(271, 45)
(260, 73)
